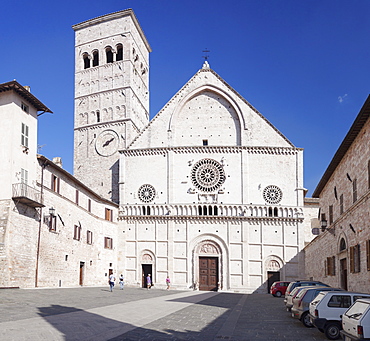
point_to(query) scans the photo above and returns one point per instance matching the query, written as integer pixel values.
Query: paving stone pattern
(140, 314)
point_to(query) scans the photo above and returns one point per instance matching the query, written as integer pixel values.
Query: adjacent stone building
(208, 192)
(340, 255)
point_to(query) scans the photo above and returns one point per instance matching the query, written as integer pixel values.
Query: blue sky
(304, 65)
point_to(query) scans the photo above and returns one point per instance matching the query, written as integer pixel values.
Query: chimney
(58, 161)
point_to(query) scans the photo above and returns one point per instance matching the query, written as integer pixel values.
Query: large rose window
(207, 175)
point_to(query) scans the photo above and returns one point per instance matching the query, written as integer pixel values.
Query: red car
(278, 288)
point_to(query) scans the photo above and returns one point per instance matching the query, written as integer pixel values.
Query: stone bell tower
(111, 96)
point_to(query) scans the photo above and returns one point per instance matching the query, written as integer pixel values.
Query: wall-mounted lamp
(52, 211)
(323, 224)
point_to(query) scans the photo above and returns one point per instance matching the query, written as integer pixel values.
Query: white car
(356, 321)
(327, 309)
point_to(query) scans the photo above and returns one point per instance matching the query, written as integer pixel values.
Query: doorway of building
(208, 273)
(272, 276)
(82, 267)
(146, 269)
(343, 273)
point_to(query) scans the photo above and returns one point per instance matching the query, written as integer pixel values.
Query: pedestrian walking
(121, 283)
(148, 282)
(111, 282)
(168, 282)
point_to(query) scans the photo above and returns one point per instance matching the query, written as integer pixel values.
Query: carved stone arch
(147, 257)
(209, 245)
(273, 263)
(239, 121)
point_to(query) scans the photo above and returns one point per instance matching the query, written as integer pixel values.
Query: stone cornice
(211, 149)
(104, 125)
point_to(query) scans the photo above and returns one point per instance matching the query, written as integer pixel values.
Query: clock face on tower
(107, 143)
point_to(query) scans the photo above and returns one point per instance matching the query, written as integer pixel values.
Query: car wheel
(278, 294)
(332, 331)
(305, 318)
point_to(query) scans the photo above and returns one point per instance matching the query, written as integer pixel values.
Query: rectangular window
(368, 254)
(89, 238)
(205, 142)
(354, 187)
(330, 262)
(25, 107)
(52, 223)
(89, 205)
(24, 135)
(331, 214)
(24, 176)
(341, 207)
(55, 183)
(354, 258)
(77, 232)
(108, 243)
(77, 195)
(108, 214)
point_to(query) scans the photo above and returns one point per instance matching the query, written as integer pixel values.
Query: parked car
(293, 285)
(301, 303)
(328, 307)
(300, 283)
(289, 298)
(356, 321)
(278, 288)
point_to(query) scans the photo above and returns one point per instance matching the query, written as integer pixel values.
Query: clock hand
(107, 142)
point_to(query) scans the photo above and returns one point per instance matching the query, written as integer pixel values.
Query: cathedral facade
(208, 192)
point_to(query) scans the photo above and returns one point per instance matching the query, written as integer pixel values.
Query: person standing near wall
(168, 282)
(121, 283)
(148, 282)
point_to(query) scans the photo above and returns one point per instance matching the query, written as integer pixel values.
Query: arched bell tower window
(342, 245)
(109, 54)
(98, 116)
(119, 55)
(86, 59)
(95, 58)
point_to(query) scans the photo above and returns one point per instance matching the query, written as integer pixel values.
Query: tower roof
(115, 15)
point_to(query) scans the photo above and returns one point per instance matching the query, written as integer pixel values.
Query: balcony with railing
(27, 195)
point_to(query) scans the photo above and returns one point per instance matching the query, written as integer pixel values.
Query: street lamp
(52, 211)
(323, 224)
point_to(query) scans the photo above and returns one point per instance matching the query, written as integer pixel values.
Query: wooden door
(82, 266)
(208, 273)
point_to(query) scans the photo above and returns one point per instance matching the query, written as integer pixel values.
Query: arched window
(215, 210)
(148, 210)
(210, 210)
(144, 211)
(270, 211)
(86, 61)
(98, 116)
(119, 55)
(342, 245)
(95, 58)
(109, 54)
(204, 210)
(200, 210)
(275, 212)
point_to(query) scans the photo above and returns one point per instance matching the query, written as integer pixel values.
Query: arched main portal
(147, 267)
(207, 266)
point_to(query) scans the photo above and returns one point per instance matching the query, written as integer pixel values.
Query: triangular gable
(255, 129)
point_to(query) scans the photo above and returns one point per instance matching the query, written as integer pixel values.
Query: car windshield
(357, 310)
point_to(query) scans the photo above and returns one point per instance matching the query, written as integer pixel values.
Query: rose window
(272, 194)
(207, 175)
(146, 193)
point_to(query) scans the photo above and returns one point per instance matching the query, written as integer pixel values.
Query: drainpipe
(40, 225)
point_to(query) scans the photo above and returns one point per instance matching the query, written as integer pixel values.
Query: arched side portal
(209, 264)
(274, 270)
(147, 266)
